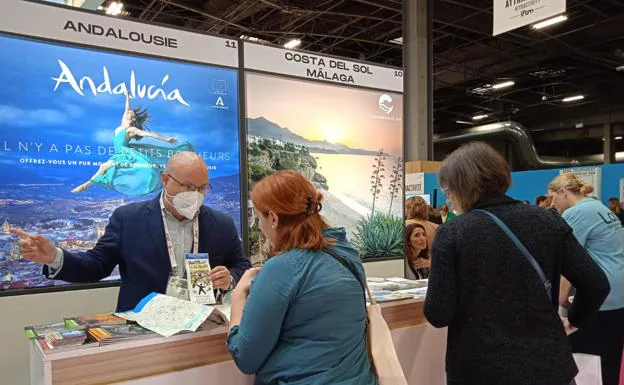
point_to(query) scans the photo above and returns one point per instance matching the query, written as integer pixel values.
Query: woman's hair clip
(312, 207)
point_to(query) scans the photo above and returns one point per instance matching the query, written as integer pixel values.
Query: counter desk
(202, 357)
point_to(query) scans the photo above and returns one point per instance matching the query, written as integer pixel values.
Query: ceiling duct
(524, 145)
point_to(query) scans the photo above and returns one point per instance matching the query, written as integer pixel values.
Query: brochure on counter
(396, 288)
(168, 316)
(55, 336)
(83, 322)
(156, 315)
(108, 334)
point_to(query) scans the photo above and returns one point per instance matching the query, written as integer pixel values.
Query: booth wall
(431, 183)
(611, 175)
(527, 185)
(385, 269)
(23, 310)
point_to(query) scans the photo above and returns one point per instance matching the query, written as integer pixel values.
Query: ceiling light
(481, 90)
(618, 138)
(398, 40)
(549, 22)
(463, 122)
(505, 84)
(620, 68)
(479, 117)
(573, 98)
(547, 73)
(294, 43)
(249, 38)
(114, 9)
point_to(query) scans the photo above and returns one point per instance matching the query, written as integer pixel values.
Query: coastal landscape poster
(85, 131)
(347, 141)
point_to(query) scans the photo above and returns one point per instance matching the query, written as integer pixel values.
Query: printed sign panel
(512, 14)
(347, 141)
(86, 131)
(66, 25)
(318, 67)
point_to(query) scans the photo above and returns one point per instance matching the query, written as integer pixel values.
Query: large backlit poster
(85, 131)
(348, 141)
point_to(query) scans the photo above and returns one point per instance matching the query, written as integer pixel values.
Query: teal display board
(527, 185)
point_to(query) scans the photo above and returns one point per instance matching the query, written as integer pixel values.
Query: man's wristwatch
(232, 284)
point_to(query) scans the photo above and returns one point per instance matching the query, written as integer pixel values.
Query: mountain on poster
(263, 128)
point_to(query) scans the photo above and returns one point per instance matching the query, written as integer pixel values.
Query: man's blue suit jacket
(135, 240)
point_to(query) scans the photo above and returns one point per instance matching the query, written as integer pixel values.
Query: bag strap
(527, 254)
(344, 263)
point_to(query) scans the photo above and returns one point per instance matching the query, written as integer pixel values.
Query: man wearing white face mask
(148, 240)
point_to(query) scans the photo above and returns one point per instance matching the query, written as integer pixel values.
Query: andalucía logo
(134, 87)
(385, 103)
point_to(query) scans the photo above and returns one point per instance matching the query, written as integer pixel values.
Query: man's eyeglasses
(191, 187)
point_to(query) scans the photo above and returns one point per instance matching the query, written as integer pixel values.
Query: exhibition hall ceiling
(579, 56)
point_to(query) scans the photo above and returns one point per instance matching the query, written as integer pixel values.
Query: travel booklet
(167, 315)
(199, 286)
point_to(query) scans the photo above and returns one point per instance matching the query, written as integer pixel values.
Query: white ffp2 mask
(187, 203)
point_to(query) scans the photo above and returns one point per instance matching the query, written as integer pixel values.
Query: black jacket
(502, 327)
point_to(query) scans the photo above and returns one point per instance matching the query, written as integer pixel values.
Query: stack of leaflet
(55, 336)
(65, 338)
(394, 289)
(83, 322)
(109, 334)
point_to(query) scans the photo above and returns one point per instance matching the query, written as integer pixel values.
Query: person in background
(408, 206)
(543, 202)
(503, 327)
(599, 231)
(616, 208)
(433, 215)
(136, 239)
(303, 319)
(416, 252)
(445, 214)
(419, 213)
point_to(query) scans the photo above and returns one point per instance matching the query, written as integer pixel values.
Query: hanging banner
(414, 184)
(512, 14)
(325, 68)
(589, 175)
(56, 23)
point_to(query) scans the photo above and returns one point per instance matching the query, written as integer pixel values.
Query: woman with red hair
(303, 318)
